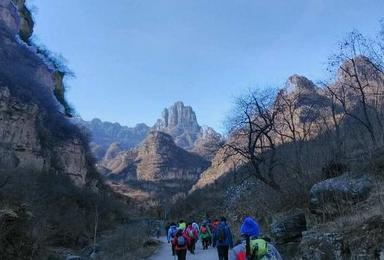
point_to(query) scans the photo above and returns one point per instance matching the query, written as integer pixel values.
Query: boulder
(363, 240)
(289, 226)
(330, 196)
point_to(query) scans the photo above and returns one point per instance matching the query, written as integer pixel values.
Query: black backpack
(221, 233)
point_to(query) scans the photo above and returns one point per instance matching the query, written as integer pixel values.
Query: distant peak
(299, 83)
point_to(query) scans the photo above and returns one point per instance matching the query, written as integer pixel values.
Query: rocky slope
(29, 106)
(49, 187)
(325, 167)
(158, 168)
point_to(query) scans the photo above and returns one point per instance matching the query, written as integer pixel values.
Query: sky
(133, 58)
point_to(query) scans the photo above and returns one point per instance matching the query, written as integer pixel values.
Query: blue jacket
(228, 236)
(172, 229)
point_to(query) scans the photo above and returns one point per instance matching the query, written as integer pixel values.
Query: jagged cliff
(29, 106)
(180, 122)
(49, 187)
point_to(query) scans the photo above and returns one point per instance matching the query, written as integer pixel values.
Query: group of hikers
(183, 237)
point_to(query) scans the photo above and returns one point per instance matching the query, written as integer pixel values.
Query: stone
(360, 241)
(328, 196)
(288, 226)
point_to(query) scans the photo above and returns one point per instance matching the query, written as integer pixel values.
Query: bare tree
(251, 129)
(359, 85)
(290, 125)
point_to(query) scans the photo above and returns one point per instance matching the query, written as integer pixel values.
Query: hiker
(182, 225)
(252, 246)
(192, 236)
(171, 233)
(196, 226)
(222, 239)
(205, 236)
(180, 243)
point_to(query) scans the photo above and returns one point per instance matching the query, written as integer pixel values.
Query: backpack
(222, 235)
(181, 241)
(173, 232)
(203, 230)
(190, 233)
(259, 248)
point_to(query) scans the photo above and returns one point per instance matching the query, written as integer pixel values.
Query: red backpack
(203, 230)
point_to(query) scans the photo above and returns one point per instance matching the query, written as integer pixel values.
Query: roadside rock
(289, 227)
(363, 241)
(329, 196)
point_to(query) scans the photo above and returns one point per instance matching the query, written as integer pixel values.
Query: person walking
(222, 239)
(205, 236)
(180, 243)
(192, 234)
(182, 224)
(252, 246)
(171, 233)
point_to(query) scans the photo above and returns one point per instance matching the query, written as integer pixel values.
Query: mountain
(158, 168)
(103, 134)
(180, 122)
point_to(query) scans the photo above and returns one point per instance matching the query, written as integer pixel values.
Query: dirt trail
(164, 252)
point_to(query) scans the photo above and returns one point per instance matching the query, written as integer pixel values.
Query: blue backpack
(181, 241)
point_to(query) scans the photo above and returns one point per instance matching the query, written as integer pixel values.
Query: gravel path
(164, 252)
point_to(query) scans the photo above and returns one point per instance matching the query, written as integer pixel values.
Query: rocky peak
(181, 123)
(297, 83)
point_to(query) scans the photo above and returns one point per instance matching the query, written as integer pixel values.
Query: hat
(250, 227)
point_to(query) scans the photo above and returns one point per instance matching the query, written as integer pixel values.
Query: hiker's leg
(219, 252)
(179, 255)
(225, 252)
(183, 254)
(193, 242)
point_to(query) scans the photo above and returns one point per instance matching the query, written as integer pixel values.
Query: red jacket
(176, 246)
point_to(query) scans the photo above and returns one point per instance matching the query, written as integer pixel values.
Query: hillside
(50, 191)
(154, 174)
(324, 166)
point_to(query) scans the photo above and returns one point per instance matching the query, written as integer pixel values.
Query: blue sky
(132, 58)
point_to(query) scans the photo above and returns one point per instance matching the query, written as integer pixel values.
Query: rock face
(161, 159)
(328, 196)
(157, 170)
(26, 21)
(363, 241)
(180, 122)
(207, 143)
(157, 159)
(9, 16)
(104, 134)
(289, 227)
(34, 134)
